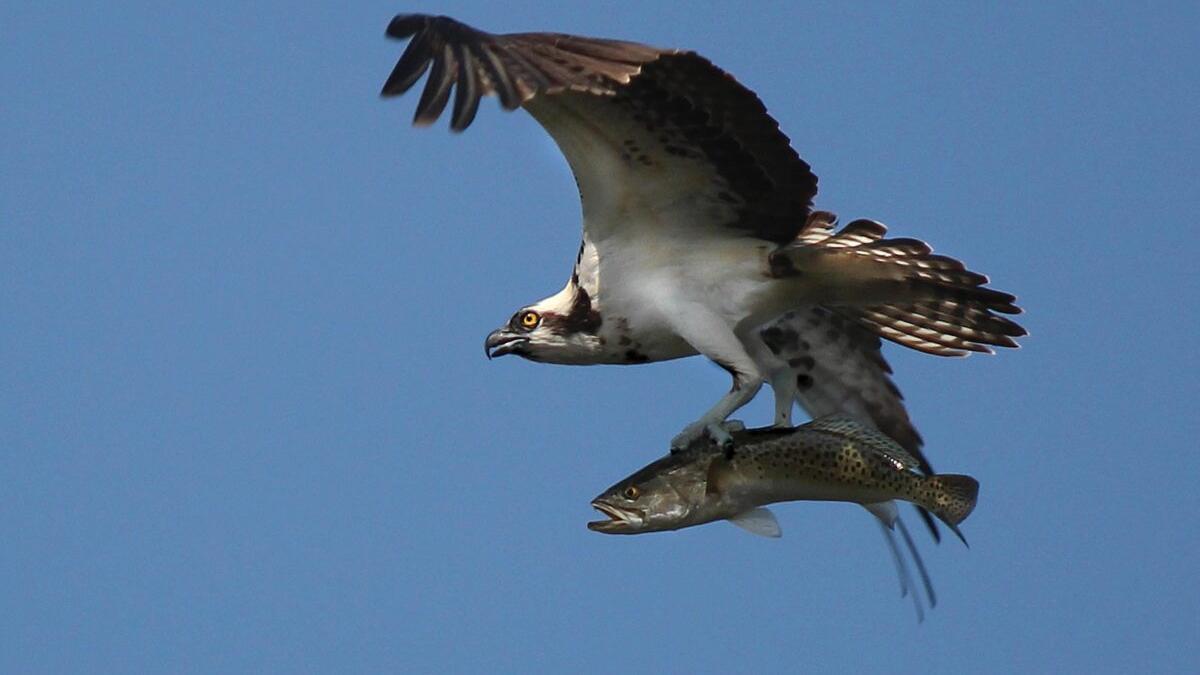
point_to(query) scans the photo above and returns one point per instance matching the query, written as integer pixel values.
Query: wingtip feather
(406, 25)
(412, 65)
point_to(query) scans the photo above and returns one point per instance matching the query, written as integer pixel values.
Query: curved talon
(720, 435)
(726, 443)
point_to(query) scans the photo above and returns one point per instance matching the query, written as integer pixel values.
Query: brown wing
(514, 67)
(643, 128)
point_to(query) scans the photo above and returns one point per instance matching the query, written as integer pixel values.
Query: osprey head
(560, 329)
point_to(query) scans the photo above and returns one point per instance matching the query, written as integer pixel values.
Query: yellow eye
(632, 492)
(530, 319)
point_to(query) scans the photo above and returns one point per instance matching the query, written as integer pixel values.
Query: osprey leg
(710, 335)
(779, 373)
(783, 382)
(712, 423)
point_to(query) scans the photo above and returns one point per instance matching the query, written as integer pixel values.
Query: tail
(951, 498)
(898, 288)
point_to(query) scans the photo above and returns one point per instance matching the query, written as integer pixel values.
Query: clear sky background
(246, 422)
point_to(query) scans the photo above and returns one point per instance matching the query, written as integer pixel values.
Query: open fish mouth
(620, 520)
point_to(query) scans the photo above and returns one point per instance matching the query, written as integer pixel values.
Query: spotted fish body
(833, 458)
(836, 459)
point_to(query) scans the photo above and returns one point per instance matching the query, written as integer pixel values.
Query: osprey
(699, 235)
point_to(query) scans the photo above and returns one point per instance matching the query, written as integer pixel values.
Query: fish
(832, 458)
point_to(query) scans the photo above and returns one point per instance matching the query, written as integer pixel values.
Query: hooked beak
(500, 342)
(620, 520)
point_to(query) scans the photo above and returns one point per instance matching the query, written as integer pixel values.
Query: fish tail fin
(951, 497)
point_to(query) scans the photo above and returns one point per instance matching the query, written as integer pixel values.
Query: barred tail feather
(899, 289)
(947, 327)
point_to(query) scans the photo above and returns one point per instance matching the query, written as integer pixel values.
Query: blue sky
(246, 422)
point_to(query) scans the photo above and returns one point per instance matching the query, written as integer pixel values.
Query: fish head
(668, 494)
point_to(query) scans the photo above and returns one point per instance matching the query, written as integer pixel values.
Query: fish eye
(529, 319)
(632, 492)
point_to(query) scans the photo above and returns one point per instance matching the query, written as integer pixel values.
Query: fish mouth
(501, 342)
(621, 520)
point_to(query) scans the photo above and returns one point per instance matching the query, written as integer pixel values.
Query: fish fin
(956, 499)
(839, 424)
(854, 429)
(886, 512)
(758, 521)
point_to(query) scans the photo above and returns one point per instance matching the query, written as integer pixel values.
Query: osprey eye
(529, 320)
(632, 492)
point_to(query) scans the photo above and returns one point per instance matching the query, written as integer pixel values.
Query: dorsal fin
(872, 440)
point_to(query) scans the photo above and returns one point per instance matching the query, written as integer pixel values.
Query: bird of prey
(699, 234)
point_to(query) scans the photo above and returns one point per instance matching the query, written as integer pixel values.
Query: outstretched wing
(514, 67)
(655, 137)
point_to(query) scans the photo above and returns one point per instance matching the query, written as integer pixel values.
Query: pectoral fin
(758, 521)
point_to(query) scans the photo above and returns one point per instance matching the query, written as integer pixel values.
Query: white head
(562, 328)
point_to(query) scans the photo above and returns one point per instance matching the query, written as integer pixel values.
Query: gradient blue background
(246, 423)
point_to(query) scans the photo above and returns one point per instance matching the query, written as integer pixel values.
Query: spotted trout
(833, 458)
